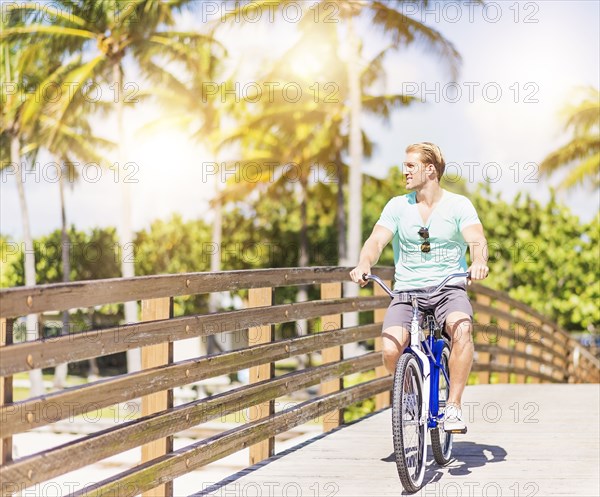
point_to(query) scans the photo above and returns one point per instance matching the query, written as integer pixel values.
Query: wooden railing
(513, 343)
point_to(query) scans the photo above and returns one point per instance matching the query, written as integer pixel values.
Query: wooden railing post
(332, 354)
(157, 355)
(382, 400)
(6, 390)
(534, 349)
(482, 337)
(520, 337)
(261, 297)
(504, 341)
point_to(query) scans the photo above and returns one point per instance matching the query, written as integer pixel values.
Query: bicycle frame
(427, 350)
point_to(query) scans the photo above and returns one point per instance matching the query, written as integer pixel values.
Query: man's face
(415, 171)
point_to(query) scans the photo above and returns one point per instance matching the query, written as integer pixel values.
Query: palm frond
(585, 115)
(374, 71)
(58, 31)
(587, 171)
(383, 105)
(578, 148)
(78, 77)
(405, 30)
(45, 10)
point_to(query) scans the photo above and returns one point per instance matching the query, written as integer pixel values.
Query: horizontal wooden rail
(79, 346)
(142, 478)
(21, 301)
(42, 466)
(496, 350)
(503, 368)
(533, 340)
(529, 327)
(503, 297)
(561, 360)
(39, 411)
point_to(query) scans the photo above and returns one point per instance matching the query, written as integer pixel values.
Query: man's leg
(459, 327)
(395, 340)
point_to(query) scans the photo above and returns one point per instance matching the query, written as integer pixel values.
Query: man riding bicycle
(430, 228)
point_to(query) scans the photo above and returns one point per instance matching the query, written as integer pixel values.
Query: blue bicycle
(421, 388)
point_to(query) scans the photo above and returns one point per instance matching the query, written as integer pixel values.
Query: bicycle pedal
(457, 432)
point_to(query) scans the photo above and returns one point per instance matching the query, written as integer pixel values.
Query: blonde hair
(430, 154)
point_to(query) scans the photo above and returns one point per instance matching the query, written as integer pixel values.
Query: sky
(494, 123)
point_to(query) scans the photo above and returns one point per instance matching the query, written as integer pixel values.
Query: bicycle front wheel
(441, 442)
(408, 425)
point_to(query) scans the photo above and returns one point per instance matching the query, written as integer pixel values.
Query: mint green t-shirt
(416, 269)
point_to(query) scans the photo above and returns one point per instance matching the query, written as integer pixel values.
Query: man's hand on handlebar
(357, 274)
(478, 271)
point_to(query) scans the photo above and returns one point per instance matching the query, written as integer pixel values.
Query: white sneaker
(453, 422)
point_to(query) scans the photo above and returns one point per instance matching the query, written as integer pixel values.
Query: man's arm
(370, 253)
(474, 236)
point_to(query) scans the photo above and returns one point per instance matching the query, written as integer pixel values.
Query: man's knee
(459, 327)
(395, 340)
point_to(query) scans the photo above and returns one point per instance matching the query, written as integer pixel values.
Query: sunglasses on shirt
(425, 246)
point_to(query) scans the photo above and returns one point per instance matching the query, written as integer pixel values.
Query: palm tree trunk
(303, 261)
(356, 153)
(32, 330)
(341, 207)
(303, 256)
(60, 372)
(134, 362)
(208, 345)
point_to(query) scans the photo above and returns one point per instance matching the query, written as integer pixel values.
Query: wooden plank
(186, 459)
(503, 297)
(520, 442)
(504, 341)
(559, 346)
(261, 297)
(531, 332)
(15, 302)
(57, 461)
(483, 359)
(534, 350)
(76, 347)
(160, 354)
(335, 418)
(498, 350)
(539, 333)
(583, 367)
(496, 368)
(28, 414)
(6, 391)
(383, 399)
(520, 338)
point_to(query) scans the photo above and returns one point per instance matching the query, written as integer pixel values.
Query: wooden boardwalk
(523, 440)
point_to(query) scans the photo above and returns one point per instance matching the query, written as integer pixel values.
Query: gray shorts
(451, 298)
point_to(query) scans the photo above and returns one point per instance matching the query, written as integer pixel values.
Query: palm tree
(583, 151)
(401, 30)
(69, 144)
(190, 107)
(25, 65)
(29, 126)
(108, 32)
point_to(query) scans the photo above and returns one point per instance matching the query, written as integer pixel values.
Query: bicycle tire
(441, 442)
(409, 429)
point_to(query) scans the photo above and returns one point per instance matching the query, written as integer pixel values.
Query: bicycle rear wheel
(441, 442)
(408, 426)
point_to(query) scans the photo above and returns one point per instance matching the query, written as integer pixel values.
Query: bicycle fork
(416, 348)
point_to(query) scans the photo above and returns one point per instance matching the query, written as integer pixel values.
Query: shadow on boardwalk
(466, 457)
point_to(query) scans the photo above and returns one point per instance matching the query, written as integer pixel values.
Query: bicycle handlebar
(367, 277)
